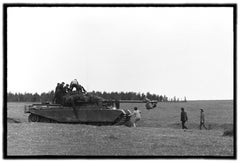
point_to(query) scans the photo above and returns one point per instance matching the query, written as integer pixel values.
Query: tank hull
(81, 114)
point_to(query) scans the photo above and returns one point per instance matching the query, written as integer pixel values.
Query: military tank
(84, 113)
(86, 109)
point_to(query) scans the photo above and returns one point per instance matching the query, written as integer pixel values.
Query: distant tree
(48, 97)
(35, 98)
(161, 98)
(165, 98)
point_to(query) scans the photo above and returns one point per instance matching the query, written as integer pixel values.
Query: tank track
(121, 120)
(37, 118)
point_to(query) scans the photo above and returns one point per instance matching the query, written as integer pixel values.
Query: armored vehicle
(104, 113)
(81, 107)
(107, 112)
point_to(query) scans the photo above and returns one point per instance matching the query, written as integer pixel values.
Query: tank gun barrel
(132, 101)
(137, 101)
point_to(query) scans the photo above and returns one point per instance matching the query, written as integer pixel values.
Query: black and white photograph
(119, 80)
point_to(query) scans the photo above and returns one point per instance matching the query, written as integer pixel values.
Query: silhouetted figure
(57, 87)
(81, 88)
(57, 94)
(61, 92)
(202, 119)
(66, 89)
(184, 118)
(61, 86)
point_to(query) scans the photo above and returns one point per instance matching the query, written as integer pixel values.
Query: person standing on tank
(74, 84)
(57, 87)
(137, 116)
(61, 86)
(79, 88)
(61, 92)
(66, 89)
(57, 94)
(184, 118)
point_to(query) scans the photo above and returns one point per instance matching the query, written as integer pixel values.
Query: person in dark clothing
(81, 88)
(202, 119)
(57, 95)
(66, 89)
(61, 86)
(57, 87)
(184, 118)
(61, 93)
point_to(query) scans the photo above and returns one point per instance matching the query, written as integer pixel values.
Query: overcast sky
(172, 51)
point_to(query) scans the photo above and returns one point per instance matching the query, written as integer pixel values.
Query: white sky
(172, 51)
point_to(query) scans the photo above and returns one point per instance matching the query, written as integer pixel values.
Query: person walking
(202, 119)
(184, 118)
(137, 116)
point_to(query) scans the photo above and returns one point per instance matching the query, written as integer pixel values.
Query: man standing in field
(184, 118)
(202, 119)
(137, 116)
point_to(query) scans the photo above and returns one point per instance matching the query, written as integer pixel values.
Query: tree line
(48, 97)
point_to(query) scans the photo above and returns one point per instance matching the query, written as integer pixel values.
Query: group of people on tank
(62, 89)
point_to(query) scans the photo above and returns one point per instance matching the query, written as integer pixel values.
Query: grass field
(159, 133)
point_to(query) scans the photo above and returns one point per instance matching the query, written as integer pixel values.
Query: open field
(159, 133)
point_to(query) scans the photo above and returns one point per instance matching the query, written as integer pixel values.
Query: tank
(104, 113)
(81, 108)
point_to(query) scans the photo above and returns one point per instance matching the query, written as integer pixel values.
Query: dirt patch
(224, 126)
(112, 137)
(228, 133)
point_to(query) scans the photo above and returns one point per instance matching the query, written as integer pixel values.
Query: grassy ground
(219, 114)
(158, 133)
(63, 139)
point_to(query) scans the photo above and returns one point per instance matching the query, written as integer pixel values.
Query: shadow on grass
(12, 120)
(228, 132)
